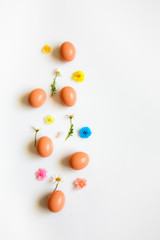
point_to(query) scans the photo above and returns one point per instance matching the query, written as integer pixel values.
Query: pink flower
(80, 183)
(41, 174)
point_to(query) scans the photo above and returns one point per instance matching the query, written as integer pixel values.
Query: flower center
(58, 179)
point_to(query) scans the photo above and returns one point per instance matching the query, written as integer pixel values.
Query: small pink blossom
(41, 174)
(80, 183)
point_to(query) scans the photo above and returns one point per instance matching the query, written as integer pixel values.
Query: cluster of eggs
(56, 199)
(44, 146)
(38, 97)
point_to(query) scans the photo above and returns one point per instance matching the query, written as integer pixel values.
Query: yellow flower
(46, 49)
(78, 76)
(49, 119)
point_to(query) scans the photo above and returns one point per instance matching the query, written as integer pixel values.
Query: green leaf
(71, 131)
(53, 87)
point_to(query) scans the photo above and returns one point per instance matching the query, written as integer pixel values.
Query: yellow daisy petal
(49, 119)
(79, 76)
(46, 49)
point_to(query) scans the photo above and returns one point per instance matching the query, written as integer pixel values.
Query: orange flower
(80, 183)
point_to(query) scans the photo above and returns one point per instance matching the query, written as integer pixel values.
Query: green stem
(35, 139)
(56, 186)
(70, 130)
(53, 85)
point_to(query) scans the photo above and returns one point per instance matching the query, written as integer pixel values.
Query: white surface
(118, 48)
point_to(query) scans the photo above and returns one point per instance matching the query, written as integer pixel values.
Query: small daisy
(58, 72)
(56, 180)
(70, 115)
(36, 129)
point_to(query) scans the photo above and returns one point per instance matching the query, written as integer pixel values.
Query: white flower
(37, 126)
(58, 72)
(55, 179)
(70, 115)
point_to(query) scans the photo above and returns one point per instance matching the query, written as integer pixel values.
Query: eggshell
(67, 51)
(56, 201)
(68, 96)
(44, 146)
(37, 97)
(79, 160)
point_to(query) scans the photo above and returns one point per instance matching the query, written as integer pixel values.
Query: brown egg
(67, 51)
(37, 98)
(56, 201)
(79, 160)
(68, 96)
(44, 146)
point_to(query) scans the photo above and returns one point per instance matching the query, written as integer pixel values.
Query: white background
(118, 48)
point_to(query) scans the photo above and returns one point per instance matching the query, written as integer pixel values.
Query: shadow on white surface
(42, 202)
(23, 100)
(56, 99)
(64, 162)
(31, 149)
(55, 54)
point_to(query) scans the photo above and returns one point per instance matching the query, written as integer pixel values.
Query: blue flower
(85, 132)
